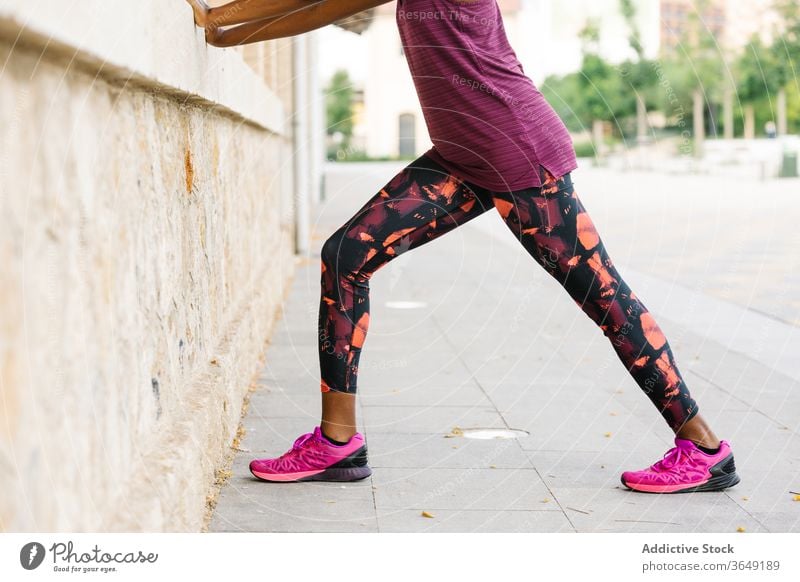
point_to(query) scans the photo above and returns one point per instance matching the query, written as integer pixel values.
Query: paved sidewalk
(468, 331)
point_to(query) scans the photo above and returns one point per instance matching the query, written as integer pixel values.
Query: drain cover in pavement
(494, 433)
(406, 304)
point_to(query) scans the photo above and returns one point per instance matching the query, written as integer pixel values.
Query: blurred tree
(760, 75)
(793, 108)
(590, 36)
(687, 83)
(787, 48)
(640, 73)
(339, 106)
(695, 74)
(564, 94)
(789, 41)
(604, 97)
(674, 98)
(601, 93)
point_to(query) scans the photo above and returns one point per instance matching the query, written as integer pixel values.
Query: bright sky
(341, 49)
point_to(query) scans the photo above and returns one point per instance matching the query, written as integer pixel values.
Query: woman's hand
(200, 9)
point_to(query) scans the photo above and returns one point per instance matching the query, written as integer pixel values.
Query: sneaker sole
(723, 476)
(351, 468)
(346, 474)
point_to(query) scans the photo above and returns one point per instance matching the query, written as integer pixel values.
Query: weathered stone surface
(143, 251)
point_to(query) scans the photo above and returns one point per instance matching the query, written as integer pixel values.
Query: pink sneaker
(314, 458)
(686, 468)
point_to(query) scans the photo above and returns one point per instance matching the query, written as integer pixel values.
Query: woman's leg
(554, 227)
(418, 205)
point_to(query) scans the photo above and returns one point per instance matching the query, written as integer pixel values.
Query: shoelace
(671, 458)
(298, 444)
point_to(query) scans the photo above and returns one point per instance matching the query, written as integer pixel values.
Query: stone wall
(145, 244)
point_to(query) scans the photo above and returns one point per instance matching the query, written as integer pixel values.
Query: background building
(732, 23)
(677, 17)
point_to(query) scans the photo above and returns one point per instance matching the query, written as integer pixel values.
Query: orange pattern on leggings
(422, 203)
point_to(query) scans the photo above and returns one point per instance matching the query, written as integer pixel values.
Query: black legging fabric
(423, 202)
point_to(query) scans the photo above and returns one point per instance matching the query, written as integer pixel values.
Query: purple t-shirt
(488, 122)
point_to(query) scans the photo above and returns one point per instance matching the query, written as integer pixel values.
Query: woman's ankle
(698, 431)
(337, 439)
(337, 432)
(703, 442)
(338, 419)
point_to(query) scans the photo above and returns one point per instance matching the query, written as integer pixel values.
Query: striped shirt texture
(488, 122)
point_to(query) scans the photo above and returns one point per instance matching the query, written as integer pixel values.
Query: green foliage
(565, 95)
(642, 78)
(604, 95)
(793, 107)
(787, 45)
(601, 90)
(701, 54)
(672, 93)
(339, 106)
(759, 72)
(696, 64)
(588, 149)
(590, 36)
(585, 149)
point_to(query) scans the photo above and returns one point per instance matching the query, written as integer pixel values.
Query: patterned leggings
(422, 203)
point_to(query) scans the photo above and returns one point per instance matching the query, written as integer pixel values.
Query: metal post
(728, 113)
(300, 143)
(699, 123)
(316, 126)
(783, 126)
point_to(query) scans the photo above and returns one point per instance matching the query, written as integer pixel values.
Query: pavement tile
(575, 469)
(496, 342)
(434, 451)
(248, 504)
(433, 489)
(757, 441)
(423, 394)
(276, 402)
(593, 425)
(428, 419)
(594, 509)
(472, 521)
(779, 521)
(767, 490)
